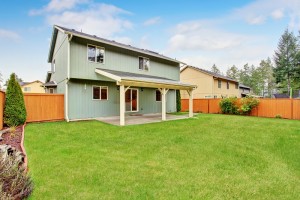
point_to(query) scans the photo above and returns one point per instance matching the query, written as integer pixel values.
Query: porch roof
(142, 80)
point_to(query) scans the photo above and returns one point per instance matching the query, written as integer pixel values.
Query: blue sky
(200, 33)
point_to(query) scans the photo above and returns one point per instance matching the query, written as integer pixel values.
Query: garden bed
(13, 139)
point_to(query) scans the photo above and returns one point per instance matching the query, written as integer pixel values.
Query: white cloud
(199, 35)
(100, 19)
(10, 35)
(58, 5)
(152, 21)
(259, 11)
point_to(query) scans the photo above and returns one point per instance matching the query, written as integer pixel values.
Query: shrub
(229, 105)
(14, 110)
(247, 104)
(278, 116)
(14, 182)
(178, 101)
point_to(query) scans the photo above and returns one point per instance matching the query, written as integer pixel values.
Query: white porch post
(122, 105)
(190, 103)
(163, 106)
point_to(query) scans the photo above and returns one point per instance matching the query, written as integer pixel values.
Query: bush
(229, 105)
(178, 101)
(14, 182)
(14, 110)
(247, 104)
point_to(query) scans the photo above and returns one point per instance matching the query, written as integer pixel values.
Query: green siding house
(102, 78)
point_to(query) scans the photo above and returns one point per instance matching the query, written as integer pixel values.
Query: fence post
(292, 107)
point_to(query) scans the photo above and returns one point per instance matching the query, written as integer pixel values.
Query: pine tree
(286, 60)
(178, 101)
(14, 109)
(215, 69)
(233, 72)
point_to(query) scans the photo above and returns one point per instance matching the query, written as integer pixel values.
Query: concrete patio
(141, 118)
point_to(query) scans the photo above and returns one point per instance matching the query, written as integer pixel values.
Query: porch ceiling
(141, 80)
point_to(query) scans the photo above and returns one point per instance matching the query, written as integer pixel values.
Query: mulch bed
(13, 139)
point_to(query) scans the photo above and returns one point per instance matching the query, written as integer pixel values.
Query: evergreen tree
(233, 72)
(286, 60)
(14, 109)
(215, 69)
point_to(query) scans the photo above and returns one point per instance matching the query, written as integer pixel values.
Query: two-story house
(209, 84)
(101, 78)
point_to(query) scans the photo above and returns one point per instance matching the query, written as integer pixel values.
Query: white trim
(109, 75)
(100, 98)
(87, 53)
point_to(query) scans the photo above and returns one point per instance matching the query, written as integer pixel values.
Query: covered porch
(126, 80)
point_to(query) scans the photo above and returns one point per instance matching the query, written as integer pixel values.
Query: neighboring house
(209, 84)
(296, 95)
(101, 78)
(244, 90)
(32, 87)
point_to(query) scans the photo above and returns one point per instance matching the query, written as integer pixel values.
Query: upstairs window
(157, 95)
(144, 63)
(100, 92)
(27, 89)
(219, 83)
(227, 85)
(95, 54)
(236, 86)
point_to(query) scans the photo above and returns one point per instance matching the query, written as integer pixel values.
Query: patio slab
(140, 119)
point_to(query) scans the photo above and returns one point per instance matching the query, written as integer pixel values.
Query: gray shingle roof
(143, 77)
(51, 83)
(244, 86)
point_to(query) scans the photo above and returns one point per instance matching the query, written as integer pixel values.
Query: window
(100, 92)
(227, 85)
(236, 86)
(51, 90)
(144, 63)
(219, 83)
(95, 54)
(53, 66)
(27, 89)
(157, 95)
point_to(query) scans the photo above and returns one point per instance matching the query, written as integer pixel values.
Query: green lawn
(207, 157)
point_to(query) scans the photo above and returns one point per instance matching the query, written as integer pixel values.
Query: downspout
(67, 80)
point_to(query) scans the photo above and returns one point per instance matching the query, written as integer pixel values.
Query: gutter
(67, 81)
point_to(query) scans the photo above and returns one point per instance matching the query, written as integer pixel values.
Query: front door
(131, 100)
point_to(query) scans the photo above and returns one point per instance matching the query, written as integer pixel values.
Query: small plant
(247, 105)
(278, 116)
(12, 131)
(229, 105)
(14, 181)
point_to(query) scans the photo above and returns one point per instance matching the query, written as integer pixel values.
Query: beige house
(32, 87)
(209, 84)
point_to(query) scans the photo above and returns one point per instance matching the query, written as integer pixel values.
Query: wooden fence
(39, 107)
(2, 99)
(285, 108)
(44, 107)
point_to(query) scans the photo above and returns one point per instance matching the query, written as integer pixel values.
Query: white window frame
(100, 99)
(27, 89)
(87, 53)
(143, 69)
(137, 100)
(51, 89)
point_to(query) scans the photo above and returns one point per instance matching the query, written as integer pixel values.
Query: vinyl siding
(82, 105)
(116, 59)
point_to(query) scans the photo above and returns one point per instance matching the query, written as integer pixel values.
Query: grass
(208, 157)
